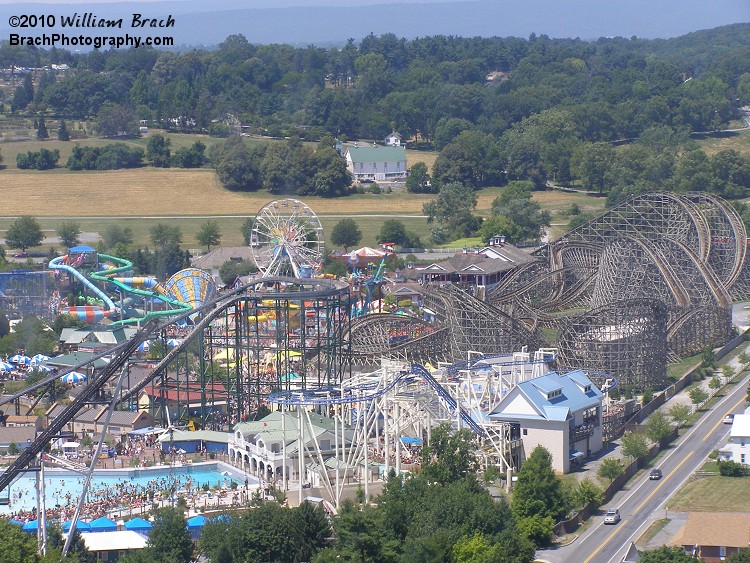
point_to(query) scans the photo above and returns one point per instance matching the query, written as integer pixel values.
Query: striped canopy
(5, 366)
(73, 377)
(38, 359)
(20, 359)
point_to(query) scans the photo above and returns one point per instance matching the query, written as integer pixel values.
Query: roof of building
(728, 529)
(488, 260)
(114, 541)
(187, 436)
(377, 154)
(124, 418)
(576, 392)
(16, 434)
(219, 256)
(740, 426)
(74, 359)
(22, 419)
(104, 335)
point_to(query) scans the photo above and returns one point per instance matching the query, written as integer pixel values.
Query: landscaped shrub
(732, 469)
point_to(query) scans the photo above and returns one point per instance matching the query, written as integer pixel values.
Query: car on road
(612, 516)
(21, 255)
(729, 419)
(655, 474)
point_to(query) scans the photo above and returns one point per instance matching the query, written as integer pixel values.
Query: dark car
(21, 255)
(655, 474)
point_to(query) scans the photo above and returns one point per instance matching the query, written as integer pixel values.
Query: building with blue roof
(562, 412)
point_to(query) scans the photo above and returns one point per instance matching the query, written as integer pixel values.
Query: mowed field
(141, 197)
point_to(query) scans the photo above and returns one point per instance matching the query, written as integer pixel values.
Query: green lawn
(713, 494)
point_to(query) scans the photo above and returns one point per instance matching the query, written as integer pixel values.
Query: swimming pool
(63, 486)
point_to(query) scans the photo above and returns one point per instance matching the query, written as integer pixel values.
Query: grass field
(713, 494)
(141, 197)
(739, 141)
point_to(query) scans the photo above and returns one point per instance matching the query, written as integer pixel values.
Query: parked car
(21, 255)
(729, 419)
(655, 474)
(612, 516)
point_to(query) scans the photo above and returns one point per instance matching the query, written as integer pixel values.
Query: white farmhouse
(738, 448)
(393, 140)
(376, 163)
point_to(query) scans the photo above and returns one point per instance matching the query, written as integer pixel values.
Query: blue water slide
(56, 264)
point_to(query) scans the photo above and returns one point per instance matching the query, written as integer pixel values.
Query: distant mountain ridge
(333, 24)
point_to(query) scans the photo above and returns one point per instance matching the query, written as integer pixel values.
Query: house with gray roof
(562, 412)
(484, 267)
(377, 163)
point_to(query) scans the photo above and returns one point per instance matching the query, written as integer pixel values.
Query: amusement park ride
(300, 343)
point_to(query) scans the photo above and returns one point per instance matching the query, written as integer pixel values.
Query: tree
(449, 456)
(247, 230)
(517, 215)
(346, 233)
(680, 414)
(69, 233)
(714, 383)
(41, 131)
(475, 549)
(610, 469)
(16, 546)
(115, 234)
(744, 359)
(163, 235)
(209, 234)
(538, 491)
(331, 178)
(190, 157)
(62, 131)
(419, 181)
(658, 427)
(116, 121)
(453, 207)
(157, 151)
(727, 371)
(394, 231)
(666, 554)
(592, 162)
(169, 539)
(238, 166)
(634, 445)
(697, 395)
(587, 492)
(742, 556)
(24, 233)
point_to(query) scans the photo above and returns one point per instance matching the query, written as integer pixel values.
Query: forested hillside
(499, 109)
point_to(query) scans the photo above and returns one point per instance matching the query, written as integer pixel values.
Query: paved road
(644, 500)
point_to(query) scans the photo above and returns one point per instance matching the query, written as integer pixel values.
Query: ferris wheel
(287, 239)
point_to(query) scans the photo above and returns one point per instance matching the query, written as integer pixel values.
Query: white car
(612, 516)
(729, 419)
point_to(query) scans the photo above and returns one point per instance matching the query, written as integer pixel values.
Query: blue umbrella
(138, 525)
(144, 346)
(30, 527)
(38, 359)
(21, 359)
(103, 525)
(17, 522)
(45, 369)
(81, 526)
(174, 342)
(5, 366)
(73, 377)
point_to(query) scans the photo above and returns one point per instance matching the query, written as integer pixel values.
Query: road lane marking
(721, 420)
(601, 545)
(660, 484)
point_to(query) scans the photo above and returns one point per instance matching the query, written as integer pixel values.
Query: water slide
(91, 313)
(94, 313)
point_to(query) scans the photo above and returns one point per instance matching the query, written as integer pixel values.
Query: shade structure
(45, 369)
(144, 346)
(16, 522)
(5, 366)
(73, 377)
(38, 359)
(31, 527)
(288, 354)
(174, 342)
(103, 525)
(21, 360)
(225, 354)
(138, 525)
(81, 526)
(196, 522)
